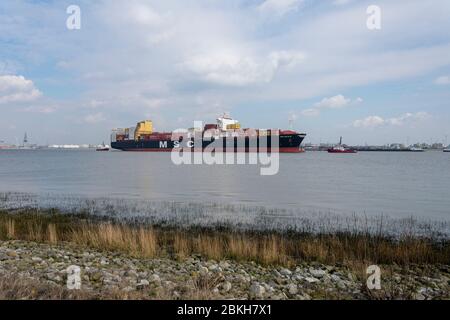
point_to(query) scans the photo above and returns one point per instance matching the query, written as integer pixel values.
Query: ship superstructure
(225, 135)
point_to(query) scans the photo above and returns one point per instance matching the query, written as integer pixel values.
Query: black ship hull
(289, 143)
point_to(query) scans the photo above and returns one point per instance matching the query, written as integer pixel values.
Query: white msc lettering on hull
(213, 152)
(163, 144)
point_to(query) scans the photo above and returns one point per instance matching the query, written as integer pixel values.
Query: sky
(311, 65)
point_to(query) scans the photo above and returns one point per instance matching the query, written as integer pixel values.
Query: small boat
(340, 148)
(447, 149)
(103, 147)
(415, 149)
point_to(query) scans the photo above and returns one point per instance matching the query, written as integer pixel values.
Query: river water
(398, 185)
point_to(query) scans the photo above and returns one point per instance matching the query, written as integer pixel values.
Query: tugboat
(340, 148)
(103, 147)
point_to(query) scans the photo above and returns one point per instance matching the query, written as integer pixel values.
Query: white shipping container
(131, 133)
(115, 132)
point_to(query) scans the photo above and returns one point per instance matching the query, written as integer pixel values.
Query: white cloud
(145, 15)
(279, 7)
(377, 121)
(40, 109)
(232, 44)
(336, 102)
(311, 112)
(228, 69)
(288, 59)
(94, 103)
(444, 80)
(233, 69)
(399, 121)
(17, 89)
(369, 122)
(341, 2)
(94, 118)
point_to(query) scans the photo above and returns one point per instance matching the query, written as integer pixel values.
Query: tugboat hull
(342, 151)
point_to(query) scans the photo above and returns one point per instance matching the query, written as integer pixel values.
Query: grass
(229, 216)
(268, 248)
(16, 287)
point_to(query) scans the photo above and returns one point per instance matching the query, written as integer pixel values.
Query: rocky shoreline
(44, 266)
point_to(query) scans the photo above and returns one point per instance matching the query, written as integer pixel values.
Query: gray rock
(304, 296)
(292, 288)
(285, 272)
(11, 253)
(317, 273)
(242, 278)
(131, 273)
(311, 279)
(257, 290)
(298, 277)
(419, 296)
(143, 283)
(226, 286)
(36, 259)
(154, 278)
(335, 278)
(190, 260)
(203, 270)
(215, 268)
(276, 273)
(168, 284)
(54, 277)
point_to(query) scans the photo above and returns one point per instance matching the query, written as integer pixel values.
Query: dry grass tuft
(265, 248)
(52, 234)
(10, 229)
(140, 242)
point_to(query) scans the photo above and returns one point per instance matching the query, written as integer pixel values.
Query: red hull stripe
(281, 150)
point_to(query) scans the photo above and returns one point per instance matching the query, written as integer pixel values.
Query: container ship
(227, 135)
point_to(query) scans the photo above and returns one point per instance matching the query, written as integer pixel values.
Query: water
(396, 184)
(367, 184)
